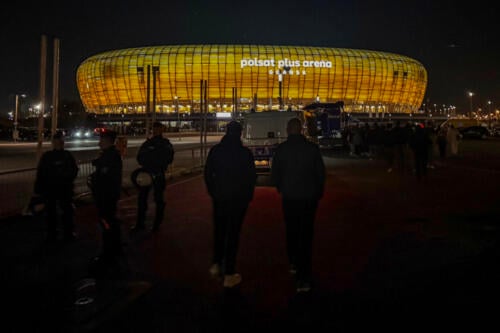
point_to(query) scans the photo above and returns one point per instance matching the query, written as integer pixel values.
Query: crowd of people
(298, 173)
(404, 146)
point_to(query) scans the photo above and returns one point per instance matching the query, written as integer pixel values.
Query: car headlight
(78, 134)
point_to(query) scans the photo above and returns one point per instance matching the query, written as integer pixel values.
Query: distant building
(259, 77)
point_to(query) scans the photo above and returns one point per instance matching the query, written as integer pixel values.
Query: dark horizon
(456, 43)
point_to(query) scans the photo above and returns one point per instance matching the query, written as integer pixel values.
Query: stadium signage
(255, 62)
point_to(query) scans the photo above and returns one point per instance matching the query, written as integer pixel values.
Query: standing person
(230, 178)
(154, 155)
(442, 141)
(388, 144)
(401, 136)
(298, 172)
(420, 143)
(106, 184)
(432, 134)
(452, 137)
(56, 173)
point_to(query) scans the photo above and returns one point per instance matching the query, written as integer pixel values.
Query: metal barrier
(16, 186)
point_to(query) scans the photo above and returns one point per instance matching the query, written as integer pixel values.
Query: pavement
(390, 253)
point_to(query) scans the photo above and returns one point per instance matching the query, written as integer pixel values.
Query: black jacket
(155, 154)
(107, 178)
(56, 173)
(298, 170)
(420, 141)
(230, 170)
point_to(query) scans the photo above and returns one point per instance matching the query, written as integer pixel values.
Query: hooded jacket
(230, 170)
(298, 171)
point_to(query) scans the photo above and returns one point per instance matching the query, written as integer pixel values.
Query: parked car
(474, 132)
(495, 131)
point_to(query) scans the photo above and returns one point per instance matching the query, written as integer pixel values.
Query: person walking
(442, 141)
(432, 135)
(230, 178)
(106, 184)
(420, 143)
(54, 182)
(452, 137)
(298, 172)
(154, 156)
(388, 140)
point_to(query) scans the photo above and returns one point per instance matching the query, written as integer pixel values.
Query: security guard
(56, 173)
(106, 183)
(154, 156)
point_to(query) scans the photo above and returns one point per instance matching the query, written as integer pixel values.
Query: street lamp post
(176, 99)
(470, 95)
(280, 88)
(15, 133)
(489, 113)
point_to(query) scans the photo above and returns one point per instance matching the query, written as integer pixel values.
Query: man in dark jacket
(106, 187)
(420, 142)
(230, 178)
(154, 155)
(298, 172)
(55, 176)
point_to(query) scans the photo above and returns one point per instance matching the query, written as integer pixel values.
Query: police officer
(154, 156)
(55, 176)
(106, 182)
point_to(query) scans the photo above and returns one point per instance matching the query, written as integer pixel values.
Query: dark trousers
(421, 160)
(442, 147)
(228, 217)
(400, 157)
(158, 186)
(65, 203)
(110, 225)
(299, 221)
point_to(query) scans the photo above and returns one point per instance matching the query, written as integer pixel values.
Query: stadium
(166, 80)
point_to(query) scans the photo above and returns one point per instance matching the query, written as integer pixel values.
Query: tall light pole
(489, 113)
(176, 99)
(15, 134)
(280, 88)
(470, 96)
(281, 72)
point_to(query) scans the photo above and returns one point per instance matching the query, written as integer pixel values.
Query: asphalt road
(390, 253)
(22, 155)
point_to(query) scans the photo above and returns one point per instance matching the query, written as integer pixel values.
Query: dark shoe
(155, 227)
(71, 237)
(292, 269)
(138, 227)
(103, 265)
(51, 238)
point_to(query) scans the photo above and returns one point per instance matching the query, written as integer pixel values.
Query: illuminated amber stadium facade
(249, 76)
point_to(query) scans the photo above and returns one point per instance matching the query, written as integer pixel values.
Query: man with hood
(298, 172)
(230, 178)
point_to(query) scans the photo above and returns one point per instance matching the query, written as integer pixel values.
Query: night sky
(458, 44)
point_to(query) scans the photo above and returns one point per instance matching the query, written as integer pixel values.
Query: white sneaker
(232, 280)
(215, 270)
(389, 170)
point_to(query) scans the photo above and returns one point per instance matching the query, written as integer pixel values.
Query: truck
(263, 132)
(325, 123)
